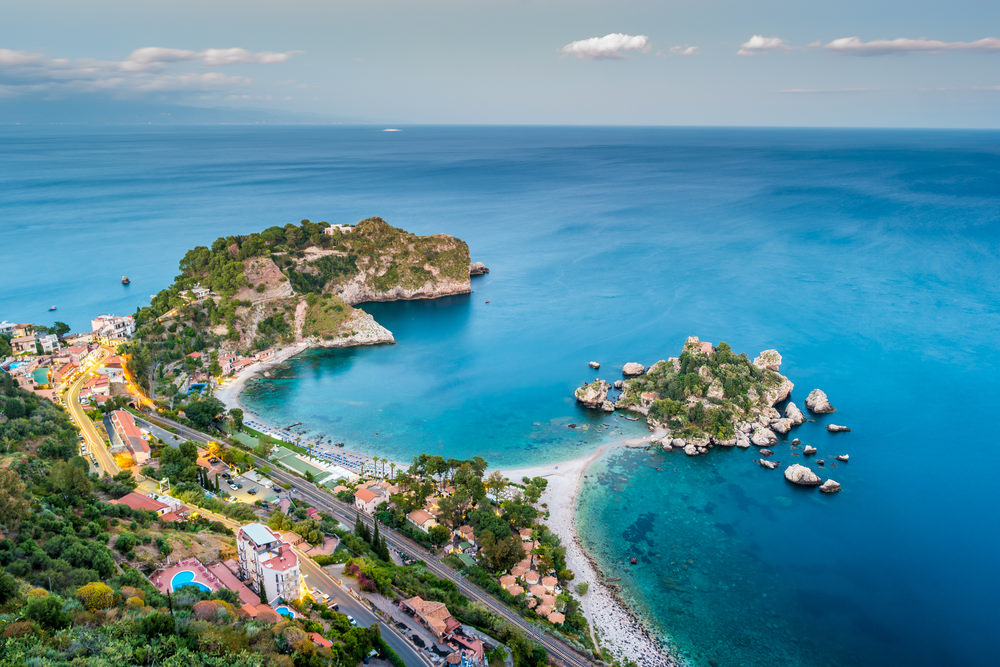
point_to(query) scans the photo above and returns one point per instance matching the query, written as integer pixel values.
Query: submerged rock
(593, 395)
(817, 402)
(830, 486)
(801, 475)
(793, 413)
(632, 368)
(837, 428)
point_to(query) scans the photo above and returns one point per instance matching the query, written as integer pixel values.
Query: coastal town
(289, 503)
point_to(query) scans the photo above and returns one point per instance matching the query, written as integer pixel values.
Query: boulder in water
(837, 428)
(829, 486)
(632, 368)
(801, 475)
(817, 402)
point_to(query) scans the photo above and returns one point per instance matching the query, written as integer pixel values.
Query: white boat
(391, 129)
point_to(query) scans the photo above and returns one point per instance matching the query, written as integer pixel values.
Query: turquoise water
(186, 578)
(285, 611)
(867, 257)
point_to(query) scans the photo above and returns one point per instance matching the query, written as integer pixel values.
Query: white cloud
(144, 70)
(608, 47)
(881, 47)
(760, 44)
(684, 50)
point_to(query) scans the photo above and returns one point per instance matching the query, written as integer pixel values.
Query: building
(23, 345)
(434, 615)
(333, 229)
(110, 328)
(49, 343)
(129, 436)
(140, 502)
(7, 328)
(422, 519)
(113, 368)
(368, 499)
(267, 563)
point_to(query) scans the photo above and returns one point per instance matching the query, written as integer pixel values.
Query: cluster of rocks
(803, 476)
(595, 396)
(478, 269)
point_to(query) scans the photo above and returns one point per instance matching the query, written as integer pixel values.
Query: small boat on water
(125, 280)
(51, 308)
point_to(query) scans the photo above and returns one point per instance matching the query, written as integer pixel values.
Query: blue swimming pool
(285, 611)
(186, 578)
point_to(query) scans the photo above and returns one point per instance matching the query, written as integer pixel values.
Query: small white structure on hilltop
(112, 327)
(332, 229)
(267, 563)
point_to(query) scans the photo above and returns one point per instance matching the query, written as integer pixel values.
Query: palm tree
(392, 468)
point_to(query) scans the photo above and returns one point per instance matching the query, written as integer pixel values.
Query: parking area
(248, 488)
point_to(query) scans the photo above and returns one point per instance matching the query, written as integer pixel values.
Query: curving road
(323, 500)
(95, 443)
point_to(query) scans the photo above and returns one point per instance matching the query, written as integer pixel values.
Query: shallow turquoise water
(868, 258)
(186, 578)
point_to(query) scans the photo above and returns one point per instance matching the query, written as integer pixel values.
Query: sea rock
(677, 443)
(817, 402)
(632, 368)
(769, 360)
(742, 441)
(619, 384)
(766, 452)
(744, 427)
(763, 437)
(792, 412)
(782, 426)
(820, 462)
(593, 395)
(359, 329)
(829, 486)
(608, 406)
(843, 457)
(477, 269)
(728, 442)
(666, 447)
(796, 441)
(691, 450)
(799, 474)
(770, 465)
(836, 428)
(594, 364)
(779, 393)
(809, 450)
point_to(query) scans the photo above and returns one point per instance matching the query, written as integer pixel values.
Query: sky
(881, 63)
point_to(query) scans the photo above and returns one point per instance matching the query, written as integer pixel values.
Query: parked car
(253, 491)
(334, 606)
(350, 619)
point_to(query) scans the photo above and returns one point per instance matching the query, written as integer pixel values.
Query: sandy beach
(617, 628)
(229, 392)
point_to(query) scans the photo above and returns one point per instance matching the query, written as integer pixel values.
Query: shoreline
(619, 628)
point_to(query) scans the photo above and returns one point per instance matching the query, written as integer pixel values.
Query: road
(95, 443)
(326, 502)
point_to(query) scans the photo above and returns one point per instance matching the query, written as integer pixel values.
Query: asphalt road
(95, 443)
(326, 502)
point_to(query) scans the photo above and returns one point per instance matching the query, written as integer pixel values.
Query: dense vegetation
(699, 394)
(69, 592)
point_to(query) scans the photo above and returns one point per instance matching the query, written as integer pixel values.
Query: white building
(332, 229)
(113, 328)
(7, 328)
(49, 343)
(267, 562)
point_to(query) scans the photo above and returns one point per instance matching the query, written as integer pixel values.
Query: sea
(868, 258)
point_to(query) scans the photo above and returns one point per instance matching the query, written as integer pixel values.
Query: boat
(125, 280)
(51, 308)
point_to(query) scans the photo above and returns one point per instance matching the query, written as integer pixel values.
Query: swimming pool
(285, 611)
(186, 578)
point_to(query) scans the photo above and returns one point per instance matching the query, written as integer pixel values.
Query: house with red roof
(129, 436)
(138, 501)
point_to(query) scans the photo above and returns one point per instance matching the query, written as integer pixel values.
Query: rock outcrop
(801, 475)
(770, 465)
(782, 426)
(809, 450)
(769, 360)
(829, 486)
(477, 269)
(632, 369)
(359, 329)
(691, 450)
(843, 457)
(593, 395)
(763, 437)
(594, 364)
(818, 403)
(837, 428)
(793, 413)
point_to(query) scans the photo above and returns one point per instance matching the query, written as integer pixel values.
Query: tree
(96, 595)
(237, 416)
(48, 612)
(439, 534)
(214, 369)
(13, 504)
(203, 413)
(60, 329)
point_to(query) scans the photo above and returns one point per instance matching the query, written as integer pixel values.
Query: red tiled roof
(285, 560)
(140, 502)
(320, 640)
(365, 495)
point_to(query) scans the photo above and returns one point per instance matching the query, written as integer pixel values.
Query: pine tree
(376, 540)
(359, 527)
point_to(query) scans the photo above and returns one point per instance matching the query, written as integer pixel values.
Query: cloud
(684, 50)
(608, 47)
(881, 47)
(760, 44)
(145, 70)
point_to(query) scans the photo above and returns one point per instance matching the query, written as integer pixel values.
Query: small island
(706, 396)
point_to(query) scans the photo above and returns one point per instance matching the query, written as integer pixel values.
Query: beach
(617, 628)
(229, 393)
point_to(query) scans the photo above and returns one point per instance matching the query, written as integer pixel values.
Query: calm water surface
(868, 258)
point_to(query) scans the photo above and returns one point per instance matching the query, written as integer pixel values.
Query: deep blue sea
(869, 258)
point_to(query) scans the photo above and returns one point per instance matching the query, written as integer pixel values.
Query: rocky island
(294, 287)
